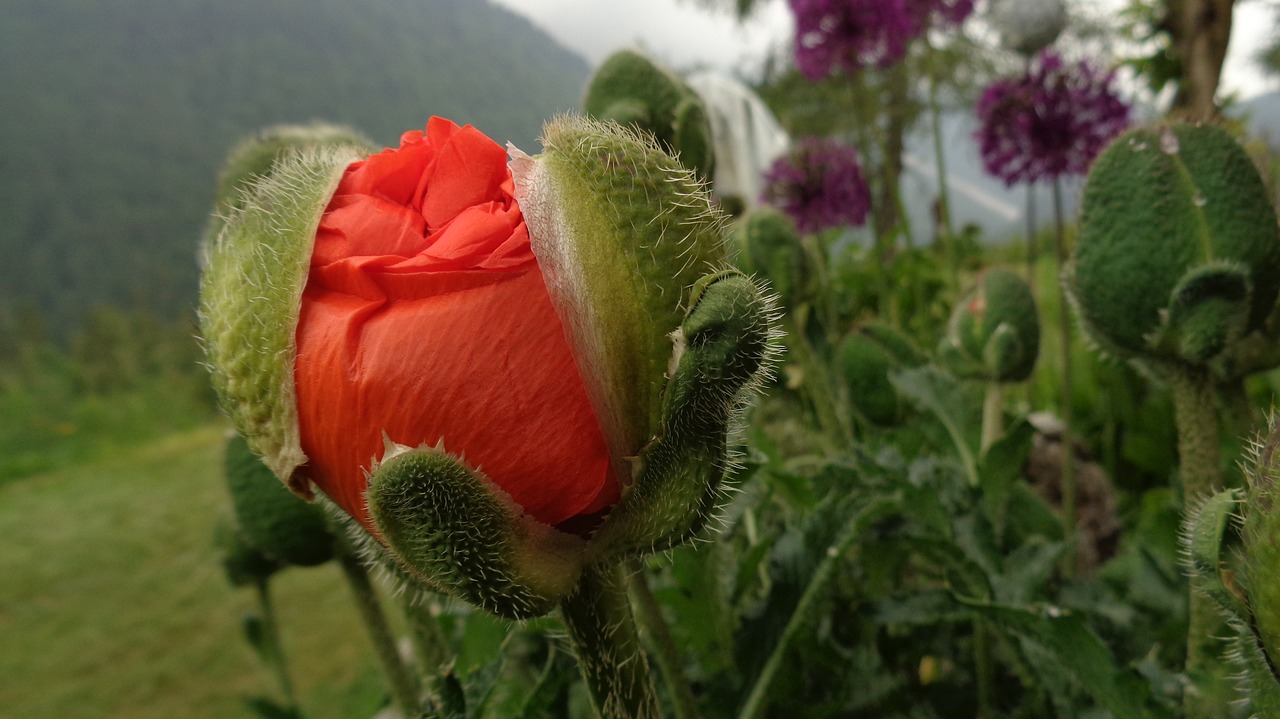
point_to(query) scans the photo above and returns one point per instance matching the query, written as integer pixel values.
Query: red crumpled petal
(425, 318)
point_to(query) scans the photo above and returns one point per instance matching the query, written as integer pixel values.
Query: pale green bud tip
(1178, 254)
(250, 294)
(455, 530)
(256, 156)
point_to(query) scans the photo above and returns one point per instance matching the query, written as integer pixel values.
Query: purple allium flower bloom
(819, 184)
(849, 34)
(1052, 120)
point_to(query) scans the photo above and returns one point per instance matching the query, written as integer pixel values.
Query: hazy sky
(683, 35)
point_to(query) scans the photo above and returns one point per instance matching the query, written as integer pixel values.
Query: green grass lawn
(113, 602)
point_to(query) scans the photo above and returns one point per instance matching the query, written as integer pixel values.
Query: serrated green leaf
(1079, 654)
(939, 394)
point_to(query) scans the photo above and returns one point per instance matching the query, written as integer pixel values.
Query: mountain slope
(118, 113)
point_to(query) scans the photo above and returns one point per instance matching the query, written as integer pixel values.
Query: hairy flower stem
(428, 641)
(404, 692)
(666, 652)
(603, 632)
(1068, 436)
(274, 650)
(1200, 465)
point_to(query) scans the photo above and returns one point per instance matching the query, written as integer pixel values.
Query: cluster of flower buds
(502, 372)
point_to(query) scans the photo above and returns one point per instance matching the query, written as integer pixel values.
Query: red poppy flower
(425, 319)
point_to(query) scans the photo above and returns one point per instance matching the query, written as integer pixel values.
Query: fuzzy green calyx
(621, 232)
(1178, 255)
(865, 358)
(250, 294)
(994, 332)
(1260, 542)
(769, 245)
(280, 524)
(632, 90)
(453, 529)
(724, 347)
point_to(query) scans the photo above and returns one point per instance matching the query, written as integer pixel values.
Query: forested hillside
(117, 114)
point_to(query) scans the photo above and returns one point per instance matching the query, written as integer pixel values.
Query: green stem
(944, 194)
(992, 414)
(1200, 466)
(983, 667)
(603, 632)
(404, 693)
(1068, 435)
(667, 654)
(275, 649)
(428, 641)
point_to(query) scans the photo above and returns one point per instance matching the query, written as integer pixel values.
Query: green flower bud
(275, 521)
(866, 358)
(769, 245)
(630, 89)
(994, 332)
(1178, 255)
(244, 563)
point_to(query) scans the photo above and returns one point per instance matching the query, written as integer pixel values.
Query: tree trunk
(1200, 31)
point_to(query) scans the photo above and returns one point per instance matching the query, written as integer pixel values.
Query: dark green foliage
(279, 524)
(866, 358)
(118, 114)
(1178, 254)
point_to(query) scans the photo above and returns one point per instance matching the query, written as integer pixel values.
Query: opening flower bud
(478, 392)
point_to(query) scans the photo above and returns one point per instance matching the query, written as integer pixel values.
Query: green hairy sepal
(632, 90)
(994, 331)
(250, 293)
(282, 526)
(622, 232)
(1178, 256)
(452, 529)
(723, 350)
